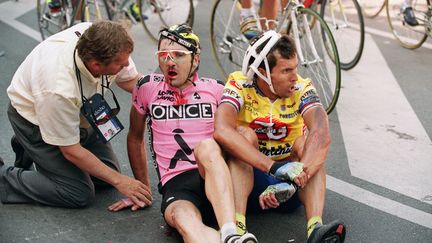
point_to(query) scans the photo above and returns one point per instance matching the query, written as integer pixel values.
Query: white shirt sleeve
(58, 118)
(127, 73)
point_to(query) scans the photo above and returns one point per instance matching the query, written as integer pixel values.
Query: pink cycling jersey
(178, 120)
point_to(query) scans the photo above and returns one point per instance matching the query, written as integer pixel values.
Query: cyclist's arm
(233, 142)
(318, 140)
(136, 147)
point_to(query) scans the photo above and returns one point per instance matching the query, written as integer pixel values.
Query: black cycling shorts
(188, 186)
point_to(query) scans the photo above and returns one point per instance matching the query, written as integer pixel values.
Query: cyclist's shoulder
(152, 79)
(212, 81)
(303, 83)
(239, 81)
(238, 76)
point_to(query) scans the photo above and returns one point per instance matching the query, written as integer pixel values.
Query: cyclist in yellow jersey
(277, 124)
(275, 133)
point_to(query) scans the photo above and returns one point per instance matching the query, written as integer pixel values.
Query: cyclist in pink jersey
(276, 133)
(180, 108)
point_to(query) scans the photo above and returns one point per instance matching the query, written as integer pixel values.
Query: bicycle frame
(81, 7)
(290, 11)
(429, 23)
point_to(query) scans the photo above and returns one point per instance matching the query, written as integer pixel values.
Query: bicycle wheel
(408, 36)
(228, 44)
(345, 19)
(371, 8)
(51, 22)
(157, 14)
(324, 69)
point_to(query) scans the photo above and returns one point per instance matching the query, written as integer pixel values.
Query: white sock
(227, 229)
(246, 12)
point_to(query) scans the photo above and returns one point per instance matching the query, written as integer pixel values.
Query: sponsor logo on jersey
(266, 130)
(196, 96)
(232, 93)
(165, 95)
(276, 151)
(235, 84)
(308, 93)
(288, 116)
(187, 111)
(158, 78)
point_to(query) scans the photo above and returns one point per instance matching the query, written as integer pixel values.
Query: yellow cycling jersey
(277, 124)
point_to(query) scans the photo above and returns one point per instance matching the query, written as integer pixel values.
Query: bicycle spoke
(321, 61)
(52, 21)
(345, 20)
(228, 44)
(408, 36)
(156, 14)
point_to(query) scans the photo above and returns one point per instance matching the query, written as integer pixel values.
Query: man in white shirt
(46, 112)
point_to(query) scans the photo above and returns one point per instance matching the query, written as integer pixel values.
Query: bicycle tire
(161, 13)
(371, 9)
(326, 73)
(49, 23)
(410, 37)
(228, 50)
(350, 34)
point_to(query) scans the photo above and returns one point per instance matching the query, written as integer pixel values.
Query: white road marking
(385, 142)
(11, 10)
(379, 202)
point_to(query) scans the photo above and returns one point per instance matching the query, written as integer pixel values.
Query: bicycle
(408, 36)
(316, 48)
(66, 15)
(345, 19)
(152, 14)
(165, 13)
(371, 8)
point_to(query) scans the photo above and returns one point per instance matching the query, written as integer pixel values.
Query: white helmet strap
(266, 78)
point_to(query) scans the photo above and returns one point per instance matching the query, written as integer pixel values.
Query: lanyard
(78, 76)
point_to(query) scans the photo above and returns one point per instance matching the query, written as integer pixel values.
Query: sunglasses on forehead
(173, 55)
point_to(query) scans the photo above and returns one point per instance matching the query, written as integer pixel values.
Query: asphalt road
(379, 167)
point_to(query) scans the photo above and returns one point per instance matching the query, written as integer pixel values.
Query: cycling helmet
(252, 59)
(183, 35)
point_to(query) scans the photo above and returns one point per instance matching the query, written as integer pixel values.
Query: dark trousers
(56, 181)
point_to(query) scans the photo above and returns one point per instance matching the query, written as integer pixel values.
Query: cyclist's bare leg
(218, 185)
(186, 219)
(312, 195)
(242, 174)
(78, 4)
(269, 10)
(248, 20)
(246, 3)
